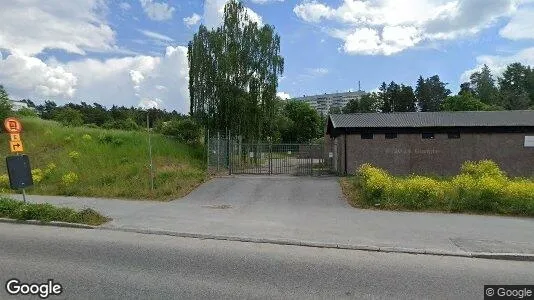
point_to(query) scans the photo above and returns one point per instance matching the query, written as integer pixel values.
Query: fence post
(208, 151)
(270, 156)
(228, 150)
(218, 149)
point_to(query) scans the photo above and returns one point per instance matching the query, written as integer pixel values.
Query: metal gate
(291, 159)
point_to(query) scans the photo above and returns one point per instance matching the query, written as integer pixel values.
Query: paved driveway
(310, 209)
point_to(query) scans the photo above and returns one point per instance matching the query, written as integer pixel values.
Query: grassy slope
(105, 169)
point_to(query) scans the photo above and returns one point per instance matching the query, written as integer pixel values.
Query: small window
(428, 136)
(454, 135)
(367, 136)
(390, 136)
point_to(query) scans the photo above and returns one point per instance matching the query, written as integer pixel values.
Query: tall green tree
(465, 88)
(367, 103)
(483, 85)
(302, 123)
(466, 102)
(5, 104)
(514, 87)
(405, 101)
(386, 105)
(233, 75)
(431, 93)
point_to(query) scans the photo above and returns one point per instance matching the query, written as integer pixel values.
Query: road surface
(101, 264)
(308, 209)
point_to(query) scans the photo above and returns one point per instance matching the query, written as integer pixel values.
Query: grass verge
(14, 209)
(95, 162)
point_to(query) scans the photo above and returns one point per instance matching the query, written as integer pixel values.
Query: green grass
(19, 210)
(106, 163)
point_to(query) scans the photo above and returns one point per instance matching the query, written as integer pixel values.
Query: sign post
(19, 170)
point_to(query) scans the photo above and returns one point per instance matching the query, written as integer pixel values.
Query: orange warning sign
(12, 125)
(15, 137)
(16, 146)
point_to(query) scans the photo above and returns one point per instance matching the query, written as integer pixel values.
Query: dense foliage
(480, 187)
(514, 90)
(233, 75)
(5, 105)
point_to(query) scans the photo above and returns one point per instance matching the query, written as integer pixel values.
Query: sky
(134, 53)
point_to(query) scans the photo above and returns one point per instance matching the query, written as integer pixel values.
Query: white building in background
(17, 105)
(323, 103)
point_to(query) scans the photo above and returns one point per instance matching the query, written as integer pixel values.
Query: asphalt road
(308, 209)
(101, 264)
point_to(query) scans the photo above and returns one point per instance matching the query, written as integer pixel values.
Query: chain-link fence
(227, 154)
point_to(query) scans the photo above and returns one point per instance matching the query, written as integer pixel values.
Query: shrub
(186, 130)
(480, 187)
(50, 168)
(69, 178)
(46, 212)
(107, 138)
(416, 192)
(37, 175)
(484, 168)
(69, 117)
(126, 124)
(27, 112)
(74, 155)
(87, 137)
(374, 182)
(4, 180)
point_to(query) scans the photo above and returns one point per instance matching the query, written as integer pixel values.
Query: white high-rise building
(323, 103)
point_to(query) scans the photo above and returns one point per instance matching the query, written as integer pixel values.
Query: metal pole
(150, 152)
(228, 152)
(208, 151)
(24, 195)
(218, 149)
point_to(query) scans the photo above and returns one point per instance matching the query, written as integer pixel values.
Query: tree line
(288, 117)
(514, 90)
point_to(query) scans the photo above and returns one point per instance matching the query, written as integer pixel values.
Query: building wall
(409, 153)
(323, 103)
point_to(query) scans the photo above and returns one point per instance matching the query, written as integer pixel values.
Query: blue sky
(133, 52)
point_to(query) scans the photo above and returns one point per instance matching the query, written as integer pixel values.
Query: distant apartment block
(323, 103)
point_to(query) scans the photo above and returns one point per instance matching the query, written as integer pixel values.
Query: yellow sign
(16, 146)
(15, 137)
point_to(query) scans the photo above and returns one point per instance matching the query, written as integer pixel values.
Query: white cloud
(131, 81)
(318, 71)
(266, 1)
(192, 20)
(157, 11)
(157, 36)
(520, 26)
(29, 76)
(214, 12)
(498, 63)
(76, 26)
(136, 80)
(125, 6)
(283, 95)
(313, 11)
(386, 27)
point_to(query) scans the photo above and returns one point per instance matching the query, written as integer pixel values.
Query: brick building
(432, 143)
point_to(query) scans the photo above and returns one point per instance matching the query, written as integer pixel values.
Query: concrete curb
(435, 252)
(286, 242)
(51, 223)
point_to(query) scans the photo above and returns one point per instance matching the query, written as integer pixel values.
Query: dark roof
(515, 118)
